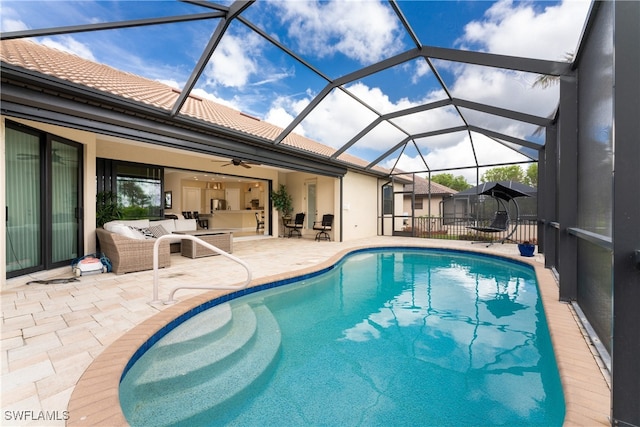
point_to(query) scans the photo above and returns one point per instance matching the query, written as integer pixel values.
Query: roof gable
(422, 187)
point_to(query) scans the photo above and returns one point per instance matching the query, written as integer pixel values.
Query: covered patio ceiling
(373, 80)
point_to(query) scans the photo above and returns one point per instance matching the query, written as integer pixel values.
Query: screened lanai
(386, 89)
(398, 96)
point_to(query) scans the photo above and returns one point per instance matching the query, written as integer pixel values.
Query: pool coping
(95, 398)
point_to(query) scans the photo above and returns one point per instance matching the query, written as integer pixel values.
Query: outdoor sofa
(129, 244)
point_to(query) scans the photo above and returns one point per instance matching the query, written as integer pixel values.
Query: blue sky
(249, 74)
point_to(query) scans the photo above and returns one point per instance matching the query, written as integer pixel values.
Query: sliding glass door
(43, 188)
(64, 203)
(24, 194)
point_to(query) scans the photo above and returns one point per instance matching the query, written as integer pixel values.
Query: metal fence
(458, 229)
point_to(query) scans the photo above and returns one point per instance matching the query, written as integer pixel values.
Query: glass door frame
(45, 200)
(311, 196)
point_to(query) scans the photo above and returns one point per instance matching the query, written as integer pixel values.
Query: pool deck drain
(65, 345)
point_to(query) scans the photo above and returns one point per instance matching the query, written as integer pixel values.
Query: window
(138, 187)
(417, 204)
(387, 200)
(139, 190)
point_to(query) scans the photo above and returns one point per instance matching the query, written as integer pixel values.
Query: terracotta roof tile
(66, 66)
(422, 187)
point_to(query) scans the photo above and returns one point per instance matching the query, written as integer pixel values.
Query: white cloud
(9, 24)
(377, 99)
(70, 45)
(233, 103)
(505, 29)
(10, 20)
(458, 154)
(336, 119)
(230, 64)
(520, 30)
(171, 83)
(240, 67)
(201, 93)
(365, 31)
(280, 114)
(421, 70)
(505, 89)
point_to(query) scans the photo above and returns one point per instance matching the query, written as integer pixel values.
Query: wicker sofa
(129, 249)
(128, 255)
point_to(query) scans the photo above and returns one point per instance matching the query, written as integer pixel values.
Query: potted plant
(107, 208)
(526, 248)
(282, 202)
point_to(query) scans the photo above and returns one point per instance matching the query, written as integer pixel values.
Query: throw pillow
(127, 231)
(168, 224)
(148, 234)
(158, 230)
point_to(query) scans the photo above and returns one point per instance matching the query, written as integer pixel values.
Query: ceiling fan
(237, 162)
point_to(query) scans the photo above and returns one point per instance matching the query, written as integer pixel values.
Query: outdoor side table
(222, 239)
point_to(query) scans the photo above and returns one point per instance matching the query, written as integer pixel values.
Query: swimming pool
(409, 337)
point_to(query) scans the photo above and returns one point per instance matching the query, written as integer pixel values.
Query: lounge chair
(500, 223)
(503, 195)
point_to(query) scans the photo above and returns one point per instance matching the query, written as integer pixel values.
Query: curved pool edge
(95, 398)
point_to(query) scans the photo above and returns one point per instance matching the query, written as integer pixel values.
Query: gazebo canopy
(505, 190)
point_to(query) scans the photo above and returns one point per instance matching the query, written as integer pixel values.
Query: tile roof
(422, 187)
(36, 57)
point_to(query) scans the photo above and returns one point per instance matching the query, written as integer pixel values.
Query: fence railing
(458, 229)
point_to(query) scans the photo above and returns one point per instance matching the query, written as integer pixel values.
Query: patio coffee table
(222, 239)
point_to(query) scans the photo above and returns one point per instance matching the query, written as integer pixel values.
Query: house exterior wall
(435, 206)
(359, 206)
(296, 183)
(359, 200)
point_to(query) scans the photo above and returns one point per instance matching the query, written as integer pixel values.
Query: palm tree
(545, 81)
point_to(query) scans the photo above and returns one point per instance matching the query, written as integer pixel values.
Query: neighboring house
(427, 197)
(72, 128)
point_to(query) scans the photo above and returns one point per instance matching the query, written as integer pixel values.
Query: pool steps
(209, 321)
(244, 346)
(183, 363)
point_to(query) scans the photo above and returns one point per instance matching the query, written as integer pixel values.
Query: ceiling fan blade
(236, 162)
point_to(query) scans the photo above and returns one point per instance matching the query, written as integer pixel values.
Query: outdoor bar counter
(236, 219)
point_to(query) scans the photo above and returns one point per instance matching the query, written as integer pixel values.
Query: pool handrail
(199, 241)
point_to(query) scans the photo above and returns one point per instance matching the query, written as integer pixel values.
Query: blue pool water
(387, 337)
